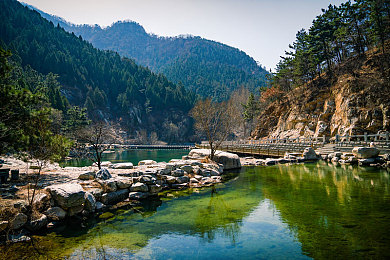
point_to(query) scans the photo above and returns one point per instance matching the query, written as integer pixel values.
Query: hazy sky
(261, 28)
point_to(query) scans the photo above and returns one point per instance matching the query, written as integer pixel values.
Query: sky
(261, 28)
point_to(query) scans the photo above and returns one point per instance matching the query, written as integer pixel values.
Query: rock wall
(356, 99)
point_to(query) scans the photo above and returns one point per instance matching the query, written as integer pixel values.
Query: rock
(73, 211)
(139, 187)
(147, 162)
(198, 177)
(67, 195)
(386, 157)
(182, 179)
(147, 179)
(366, 162)
(310, 154)
(123, 182)
(346, 156)
(214, 173)
(270, 161)
(365, 152)
(3, 225)
(90, 202)
(88, 175)
(18, 221)
(335, 159)
(178, 173)
(207, 180)
(103, 174)
(180, 186)
(229, 160)
(100, 206)
(115, 197)
(171, 179)
(19, 238)
(109, 185)
(55, 213)
(103, 164)
(37, 224)
(193, 180)
(41, 201)
(155, 188)
(127, 165)
(138, 195)
(187, 168)
(96, 192)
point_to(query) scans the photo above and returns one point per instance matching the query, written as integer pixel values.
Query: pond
(133, 156)
(277, 212)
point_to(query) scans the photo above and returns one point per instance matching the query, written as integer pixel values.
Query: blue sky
(261, 28)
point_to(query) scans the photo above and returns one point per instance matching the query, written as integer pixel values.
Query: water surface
(133, 156)
(277, 212)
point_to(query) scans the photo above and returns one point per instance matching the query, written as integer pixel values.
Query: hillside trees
(335, 35)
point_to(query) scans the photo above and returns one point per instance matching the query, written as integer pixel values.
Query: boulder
(127, 165)
(178, 173)
(139, 187)
(366, 162)
(103, 164)
(123, 182)
(55, 213)
(18, 221)
(386, 157)
(194, 180)
(90, 202)
(96, 192)
(365, 152)
(155, 188)
(41, 201)
(115, 197)
(310, 154)
(103, 174)
(187, 168)
(171, 179)
(37, 224)
(182, 179)
(73, 211)
(100, 206)
(138, 195)
(147, 162)
(228, 160)
(67, 195)
(108, 185)
(88, 175)
(147, 179)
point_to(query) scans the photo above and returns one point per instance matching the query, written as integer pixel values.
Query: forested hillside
(336, 77)
(109, 86)
(206, 67)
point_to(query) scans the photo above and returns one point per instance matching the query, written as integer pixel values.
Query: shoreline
(83, 193)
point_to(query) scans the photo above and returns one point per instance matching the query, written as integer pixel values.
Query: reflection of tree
(335, 212)
(217, 215)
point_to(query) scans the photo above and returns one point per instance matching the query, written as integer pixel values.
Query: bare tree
(94, 139)
(215, 121)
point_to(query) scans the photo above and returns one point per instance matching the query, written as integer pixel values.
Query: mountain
(111, 87)
(206, 67)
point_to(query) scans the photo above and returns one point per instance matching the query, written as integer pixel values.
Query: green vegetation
(336, 35)
(109, 86)
(208, 68)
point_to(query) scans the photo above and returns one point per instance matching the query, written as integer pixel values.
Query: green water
(133, 156)
(278, 212)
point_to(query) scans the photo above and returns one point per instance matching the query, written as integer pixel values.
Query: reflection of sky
(262, 235)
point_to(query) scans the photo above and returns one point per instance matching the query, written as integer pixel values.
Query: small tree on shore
(215, 121)
(94, 139)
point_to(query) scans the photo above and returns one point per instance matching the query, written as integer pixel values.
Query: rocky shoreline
(87, 192)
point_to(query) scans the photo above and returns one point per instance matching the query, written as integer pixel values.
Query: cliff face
(356, 99)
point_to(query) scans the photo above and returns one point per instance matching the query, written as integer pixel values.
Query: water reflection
(295, 211)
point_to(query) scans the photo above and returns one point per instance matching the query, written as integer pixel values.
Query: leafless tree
(214, 120)
(94, 139)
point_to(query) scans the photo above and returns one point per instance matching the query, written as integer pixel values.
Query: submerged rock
(138, 195)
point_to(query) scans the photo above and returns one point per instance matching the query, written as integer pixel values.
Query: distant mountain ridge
(206, 67)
